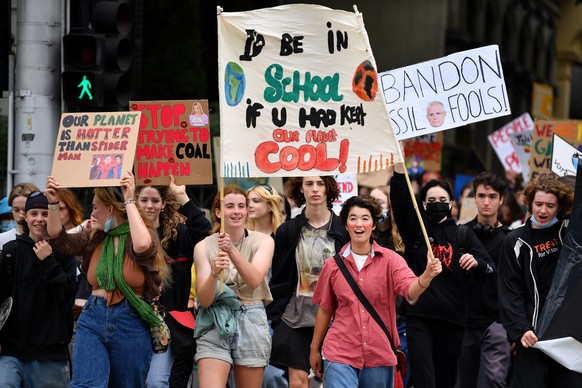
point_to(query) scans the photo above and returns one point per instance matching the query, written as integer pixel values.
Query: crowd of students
(274, 300)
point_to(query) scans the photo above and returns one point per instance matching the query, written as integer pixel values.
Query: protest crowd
(463, 319)
(418, 280)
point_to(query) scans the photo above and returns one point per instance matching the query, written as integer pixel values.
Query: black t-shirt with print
(546, 252)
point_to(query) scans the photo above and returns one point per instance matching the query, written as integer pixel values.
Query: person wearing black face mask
(436, 324)
(437, 211)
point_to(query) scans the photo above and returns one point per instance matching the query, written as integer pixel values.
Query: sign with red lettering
(541, 151)
(500, 140)
(299, 94)
(423, 153)
(348, 187)
(95, 149)
(449, 92)
(174, 139)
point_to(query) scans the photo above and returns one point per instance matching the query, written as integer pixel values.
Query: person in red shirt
(356, 350)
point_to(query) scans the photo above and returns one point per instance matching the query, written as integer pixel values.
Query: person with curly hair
(301, 246)
(526, 268)
(180, 224)
(125, 267)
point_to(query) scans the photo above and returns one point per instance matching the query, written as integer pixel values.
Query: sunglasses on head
(266, 187)
(118, 194)
(35, 194)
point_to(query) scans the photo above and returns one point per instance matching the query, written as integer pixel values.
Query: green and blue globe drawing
(234, 83)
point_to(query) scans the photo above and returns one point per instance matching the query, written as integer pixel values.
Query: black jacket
(179, 256)
(284, 267)
(446, 297)
(484, 306)
(519, 300)
(40, 324)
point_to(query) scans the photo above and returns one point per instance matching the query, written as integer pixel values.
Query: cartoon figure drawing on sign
(95, 171)
(119, 165)
(197, 117)
(107, 169)
(436, 113)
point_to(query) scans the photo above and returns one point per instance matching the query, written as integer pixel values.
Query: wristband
(54, 203)
(129, 201)
(53, 206)
(419, 283)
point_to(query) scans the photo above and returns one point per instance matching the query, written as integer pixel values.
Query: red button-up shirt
(354, 337)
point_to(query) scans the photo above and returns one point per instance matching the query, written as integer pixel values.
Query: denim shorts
(249, 346)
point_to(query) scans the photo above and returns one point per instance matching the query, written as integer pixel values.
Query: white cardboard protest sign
(500, 140)
(459, 89)
(564, 157)
(522, 144)
(300, 95)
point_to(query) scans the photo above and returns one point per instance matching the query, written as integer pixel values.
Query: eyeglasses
(436, 114)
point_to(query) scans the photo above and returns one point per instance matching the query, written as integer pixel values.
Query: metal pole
(10, 137)
(37, 89)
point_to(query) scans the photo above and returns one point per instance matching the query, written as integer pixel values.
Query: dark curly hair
(331, 190)
(489, 179)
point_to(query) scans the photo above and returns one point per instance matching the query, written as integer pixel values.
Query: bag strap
(362, 298)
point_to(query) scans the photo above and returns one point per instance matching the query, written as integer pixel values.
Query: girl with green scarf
(125, 267)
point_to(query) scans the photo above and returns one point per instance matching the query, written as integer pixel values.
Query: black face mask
(437, 210)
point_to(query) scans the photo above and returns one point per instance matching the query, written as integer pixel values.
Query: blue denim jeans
(15, 373)
(112, 346)
(338, 375)
(160, 369)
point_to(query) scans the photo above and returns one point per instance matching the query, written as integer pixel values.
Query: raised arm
(196, 222)
(53, 225)
(140, 235)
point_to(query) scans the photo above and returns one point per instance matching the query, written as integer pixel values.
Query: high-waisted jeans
(112, 346)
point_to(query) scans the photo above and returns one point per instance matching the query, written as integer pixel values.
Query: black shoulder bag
(400, 356)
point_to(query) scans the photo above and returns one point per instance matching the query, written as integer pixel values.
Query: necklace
(239, 243)
(362, 254)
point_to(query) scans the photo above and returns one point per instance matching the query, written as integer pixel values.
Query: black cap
(36, 200)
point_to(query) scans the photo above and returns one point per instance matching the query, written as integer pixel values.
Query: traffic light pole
(37, 105)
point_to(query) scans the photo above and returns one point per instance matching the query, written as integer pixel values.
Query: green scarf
(109, 273)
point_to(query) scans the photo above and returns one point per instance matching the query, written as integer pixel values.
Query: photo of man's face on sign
(435, 114)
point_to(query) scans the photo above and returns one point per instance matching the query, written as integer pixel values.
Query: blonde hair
(274, 201)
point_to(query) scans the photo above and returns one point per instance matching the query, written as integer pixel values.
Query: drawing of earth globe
(234, 83)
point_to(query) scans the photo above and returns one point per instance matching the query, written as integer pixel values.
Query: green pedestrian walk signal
(85, 86)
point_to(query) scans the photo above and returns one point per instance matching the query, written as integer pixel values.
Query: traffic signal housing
(83, 76)
(98, 60)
